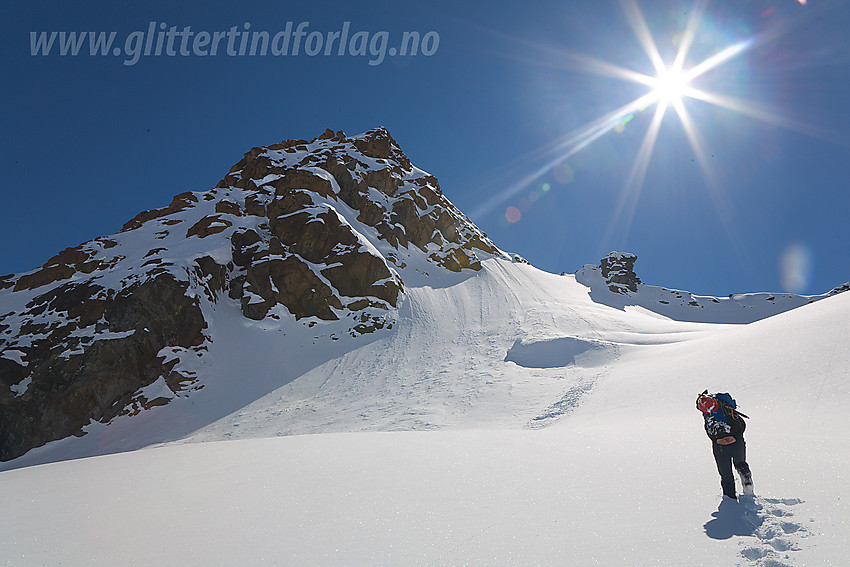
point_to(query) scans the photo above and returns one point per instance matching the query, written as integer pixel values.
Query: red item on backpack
(707, 404)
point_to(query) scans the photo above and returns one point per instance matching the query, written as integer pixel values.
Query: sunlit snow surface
(507, 419)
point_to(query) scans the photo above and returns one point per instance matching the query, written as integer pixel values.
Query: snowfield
(506, 419)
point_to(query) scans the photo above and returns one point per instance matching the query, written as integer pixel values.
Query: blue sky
(499, 110)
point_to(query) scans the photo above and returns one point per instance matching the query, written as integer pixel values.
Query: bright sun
(670, 88)
(671, 85)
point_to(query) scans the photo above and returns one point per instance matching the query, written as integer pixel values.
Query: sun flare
(671, 85)
(671, 88)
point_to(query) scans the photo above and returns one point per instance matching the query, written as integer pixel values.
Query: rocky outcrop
(309, 257)
(67, 263)
(82, 352)
(373, 177)
(839, 289)
(618, 272)
(317, 232)
(180, 202)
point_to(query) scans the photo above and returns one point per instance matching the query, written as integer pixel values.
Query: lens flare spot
(795, 267)
(620, 127)
(545, 188)
(676, 40)
(512, 215)
(563, 174)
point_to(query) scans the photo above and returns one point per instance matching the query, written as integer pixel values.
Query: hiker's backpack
(728, 407)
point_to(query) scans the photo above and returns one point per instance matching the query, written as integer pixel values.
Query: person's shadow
(734, 518)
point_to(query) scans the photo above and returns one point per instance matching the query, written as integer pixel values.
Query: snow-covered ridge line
(614, 283)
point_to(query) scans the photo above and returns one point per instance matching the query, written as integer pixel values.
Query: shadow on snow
(735, 518)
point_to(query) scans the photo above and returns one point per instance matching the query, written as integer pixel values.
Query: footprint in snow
(772, 533)
(568, 402)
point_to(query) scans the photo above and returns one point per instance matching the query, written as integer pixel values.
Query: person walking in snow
(725, 427)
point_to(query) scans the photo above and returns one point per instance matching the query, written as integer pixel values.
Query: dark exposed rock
(618, 271)
(254, 206)
(71, 384)
(207, 226)
(227, 207)
(311, 235)
(213, 275)
(244, 243)
(180, 202)
(301, 290)
(44, 276)
(62, 266)
(302, 179)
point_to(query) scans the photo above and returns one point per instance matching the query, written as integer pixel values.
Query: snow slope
(507, 347)
(463, 353)
(566, 434)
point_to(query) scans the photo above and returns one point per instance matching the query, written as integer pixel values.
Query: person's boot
(746, 478)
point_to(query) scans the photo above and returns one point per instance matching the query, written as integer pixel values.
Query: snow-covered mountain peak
(323, 233)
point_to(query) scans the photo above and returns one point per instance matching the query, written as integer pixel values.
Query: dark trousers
(727, 455)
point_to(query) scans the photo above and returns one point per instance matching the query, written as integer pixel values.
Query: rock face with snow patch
(82, 352)
(320, 231)
(618, 269)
